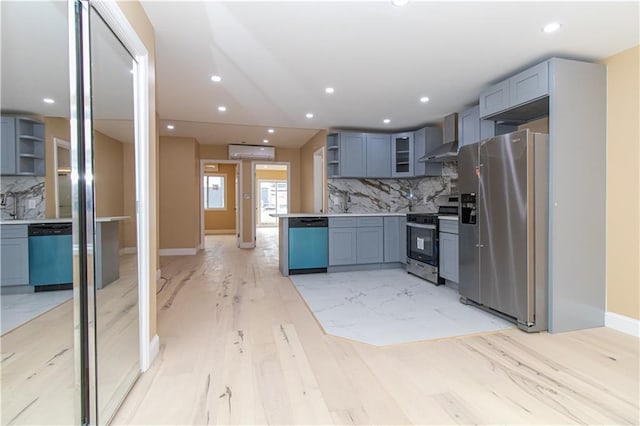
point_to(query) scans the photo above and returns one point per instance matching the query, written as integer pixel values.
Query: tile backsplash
(29, 193)
(391, 195)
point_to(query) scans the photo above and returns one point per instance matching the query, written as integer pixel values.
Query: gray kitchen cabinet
(378, 155)
(524, 87)
(472, 129)
(15, 255)
(22, 146)
(333, 155)
(530, 84)
(425, 140)
(369, 243)
(402, 154)
(342, 246)
(352, 154)
(448, 250)
(8, 147)
(395, 239)
(494, 99)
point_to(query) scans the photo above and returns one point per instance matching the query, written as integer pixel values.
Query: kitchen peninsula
(19, 247)
(341, 242)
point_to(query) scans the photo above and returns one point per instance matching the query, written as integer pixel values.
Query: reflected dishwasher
(308, 245)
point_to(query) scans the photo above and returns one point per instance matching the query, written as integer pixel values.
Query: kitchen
(298, 180)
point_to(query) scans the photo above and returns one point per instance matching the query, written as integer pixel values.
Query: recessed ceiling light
(216, 78)
(48, 101)
(386, 121)
(551, 27)
(399, 2)
(270, 130)
(309, 115)
(222, 108)
(329, 90)
(170, 126)
(265, 140)
(424, 99)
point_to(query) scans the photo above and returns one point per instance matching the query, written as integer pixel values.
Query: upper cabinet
(22, 146)
(472, 129)
(524, 87)
(402, 154)
(426, 140)
(358, 155)
(378, 155)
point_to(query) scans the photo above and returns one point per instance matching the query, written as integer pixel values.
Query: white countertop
(336, 214)
(448, 217)
(59, 220)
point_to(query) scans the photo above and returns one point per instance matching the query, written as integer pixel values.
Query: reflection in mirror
(62, 187)
(116, 262)
(37, 378)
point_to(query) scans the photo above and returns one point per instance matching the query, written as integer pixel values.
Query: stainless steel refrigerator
(503, 184)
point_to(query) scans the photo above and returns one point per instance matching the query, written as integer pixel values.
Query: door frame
(237, 184)
(254, 191)
(319, 180)
(57, 142)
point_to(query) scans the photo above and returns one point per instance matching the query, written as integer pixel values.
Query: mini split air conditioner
(251, 152)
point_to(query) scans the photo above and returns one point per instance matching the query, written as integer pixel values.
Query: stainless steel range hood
(448, 151)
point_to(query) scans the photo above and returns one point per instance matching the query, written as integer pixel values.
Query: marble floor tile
(20, 308)
(386, 307)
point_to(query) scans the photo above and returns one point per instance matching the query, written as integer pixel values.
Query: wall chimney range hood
(448, 151)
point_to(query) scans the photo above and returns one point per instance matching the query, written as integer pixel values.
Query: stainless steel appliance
(422, 246)
(503, 185)
(422, 240)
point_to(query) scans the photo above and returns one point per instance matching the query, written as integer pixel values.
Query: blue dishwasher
(308, 245)
(50, 256)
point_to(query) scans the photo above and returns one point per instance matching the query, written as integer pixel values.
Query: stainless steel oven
(422, 246)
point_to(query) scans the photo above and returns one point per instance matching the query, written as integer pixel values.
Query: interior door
(503, 224)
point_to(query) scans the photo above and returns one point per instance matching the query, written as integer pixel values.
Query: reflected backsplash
(391, 195)
(29, 193)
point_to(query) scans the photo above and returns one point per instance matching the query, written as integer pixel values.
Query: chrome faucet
(3, 203)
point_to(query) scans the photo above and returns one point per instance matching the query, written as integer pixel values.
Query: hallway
(239, 346)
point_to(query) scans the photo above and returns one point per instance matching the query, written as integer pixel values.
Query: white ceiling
(276, 58)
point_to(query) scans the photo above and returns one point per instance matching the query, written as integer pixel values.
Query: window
(214, 192)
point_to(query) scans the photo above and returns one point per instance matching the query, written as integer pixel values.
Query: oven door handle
(420, 225)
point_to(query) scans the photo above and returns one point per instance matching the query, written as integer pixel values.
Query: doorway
(219, 200)
(271, 183)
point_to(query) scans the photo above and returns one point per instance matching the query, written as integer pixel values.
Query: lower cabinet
(342, 246)
(356, 240)
(15, 255)
(369, 243)
(448, 247)
(395, 239)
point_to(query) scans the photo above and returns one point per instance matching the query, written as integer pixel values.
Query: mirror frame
(83, 214)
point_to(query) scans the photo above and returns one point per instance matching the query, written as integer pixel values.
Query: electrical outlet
(31, 204)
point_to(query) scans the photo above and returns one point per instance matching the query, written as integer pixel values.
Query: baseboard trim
(178, 252)
(128, 250)
(247, 245)
(154, 349)
(621, 323)
(220, 231)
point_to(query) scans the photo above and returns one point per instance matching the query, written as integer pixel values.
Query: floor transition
(239, 346)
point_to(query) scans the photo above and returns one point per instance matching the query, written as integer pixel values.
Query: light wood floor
(239, 346)
(37, 367)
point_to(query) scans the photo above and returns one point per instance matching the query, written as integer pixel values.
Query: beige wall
(306, 172)
(53, 128)
(541, 125)
(179, 193)
(623, 183)
(271, 175)
(108, 176)
(138, 19)
(224, 220)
